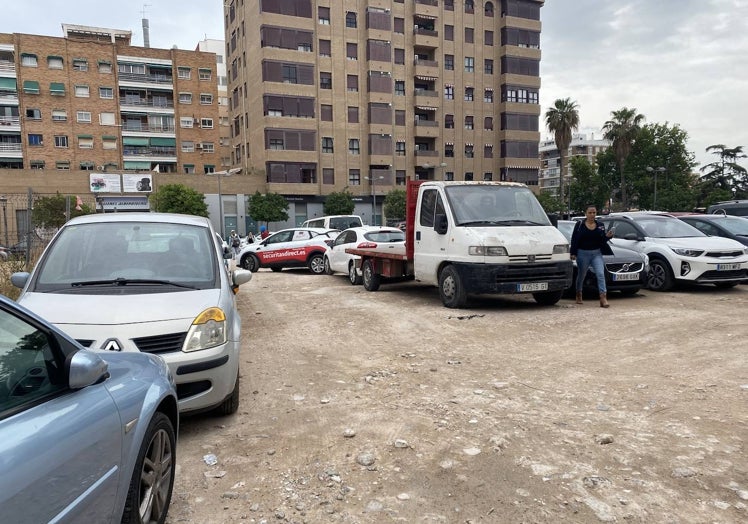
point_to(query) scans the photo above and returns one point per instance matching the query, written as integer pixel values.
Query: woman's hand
(573, 257)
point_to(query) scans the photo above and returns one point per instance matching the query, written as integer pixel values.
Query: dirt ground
(362, 407)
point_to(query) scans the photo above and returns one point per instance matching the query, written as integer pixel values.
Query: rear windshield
(385, 236)
(342, 223)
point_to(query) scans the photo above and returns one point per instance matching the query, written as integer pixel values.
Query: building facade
(550, 160)
(326, 95)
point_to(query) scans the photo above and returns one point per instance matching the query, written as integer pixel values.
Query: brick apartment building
(325, 94)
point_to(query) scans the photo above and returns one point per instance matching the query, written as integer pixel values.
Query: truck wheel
(353, 276)
(547, 298)
(371, 279)
(451, 290)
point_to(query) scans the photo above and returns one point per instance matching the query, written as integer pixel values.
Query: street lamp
(373, 179)
(656, 171)
(4, 202)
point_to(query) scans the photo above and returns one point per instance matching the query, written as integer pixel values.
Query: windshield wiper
(510, 222)
(128, 281)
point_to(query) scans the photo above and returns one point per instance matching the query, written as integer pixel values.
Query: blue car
(85, 436)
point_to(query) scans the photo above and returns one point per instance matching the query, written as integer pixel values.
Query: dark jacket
(599, 231)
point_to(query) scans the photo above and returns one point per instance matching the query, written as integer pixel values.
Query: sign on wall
(142, 183)
(104, 183)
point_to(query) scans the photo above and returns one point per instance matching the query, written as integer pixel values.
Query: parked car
(625, 271)
(148, 282)
(677, 251)
(720, 225)
(336, 258)
(339, 222)
(85, 436)
(730, 207)
(294, 247)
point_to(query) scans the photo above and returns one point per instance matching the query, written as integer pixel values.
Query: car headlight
(688, 252)
(560, 249)
(487, 251)
(208, 330)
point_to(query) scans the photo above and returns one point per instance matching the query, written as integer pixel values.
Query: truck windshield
(495, 204)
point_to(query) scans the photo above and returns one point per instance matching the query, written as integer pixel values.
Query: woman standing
(589, 243)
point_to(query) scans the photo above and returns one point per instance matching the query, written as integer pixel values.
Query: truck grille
(539, 272)
(160, 343)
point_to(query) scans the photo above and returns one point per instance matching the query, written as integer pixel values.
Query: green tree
(587, 186)
(725, 173)
(270, 207)
(550, 202)
(178, 198)
(49, 212)
(394, 205)
(562, 119)
(339, 203)
(622, 131)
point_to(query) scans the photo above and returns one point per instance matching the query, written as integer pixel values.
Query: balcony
(426, 37)
(6, 66)
(428, 8)
(13, 150)
(10, 123)
(166, 81)
(146, 103)
(150, 152)
(426, 152)
(428, 69)
(147, 128)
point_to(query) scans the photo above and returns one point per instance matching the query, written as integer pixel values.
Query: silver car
(147, 282)
(84, 436)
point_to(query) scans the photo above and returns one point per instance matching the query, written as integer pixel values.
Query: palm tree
(562, 119)
(622, 131)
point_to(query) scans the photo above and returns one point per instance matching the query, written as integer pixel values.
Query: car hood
(698, 242)
(120, 309)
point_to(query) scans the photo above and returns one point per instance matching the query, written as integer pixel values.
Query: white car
(293, 247)
(678, 251)
(338, 261)
(148, 282)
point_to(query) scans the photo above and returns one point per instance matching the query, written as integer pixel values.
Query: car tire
(316, 264)
(547, 298)
(725, 285)
(152, 480)
(660, 276)
(251, 263)
(371, 279)
(231, 404)
(451, 289)
(328, 269)
(353, 277)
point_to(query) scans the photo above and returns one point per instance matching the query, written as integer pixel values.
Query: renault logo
(531, 258)
(112, 344)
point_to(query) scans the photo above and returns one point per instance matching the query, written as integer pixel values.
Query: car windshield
(385, 236)
(494, 204)
(128, 254)
(667, 227)
(735, 225)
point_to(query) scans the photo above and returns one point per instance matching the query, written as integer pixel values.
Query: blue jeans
(593, 258)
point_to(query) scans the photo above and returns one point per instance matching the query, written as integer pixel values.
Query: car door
(60, 450)
(337, 255)
(431, 248)
(626, 235)
(271, 249)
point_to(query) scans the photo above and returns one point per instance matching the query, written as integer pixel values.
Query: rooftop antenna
(146, 32)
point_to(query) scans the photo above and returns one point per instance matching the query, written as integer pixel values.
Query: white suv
(678, 251)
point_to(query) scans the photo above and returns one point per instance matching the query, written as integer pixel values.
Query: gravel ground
(363, 407)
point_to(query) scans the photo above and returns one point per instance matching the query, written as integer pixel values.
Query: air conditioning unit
(198, 146)
(196, 121)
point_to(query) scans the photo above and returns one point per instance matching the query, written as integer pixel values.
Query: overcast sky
(676, 61)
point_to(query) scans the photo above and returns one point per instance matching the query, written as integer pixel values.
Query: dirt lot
(363, 407)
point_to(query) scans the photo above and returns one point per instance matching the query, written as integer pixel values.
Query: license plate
(727, 267)
(532, 286)
(618, 277)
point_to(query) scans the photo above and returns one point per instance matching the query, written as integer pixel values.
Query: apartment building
(91, 101)
(326, 95)
(217, 47)
(550, 161)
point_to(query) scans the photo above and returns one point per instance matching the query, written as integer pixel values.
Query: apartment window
(400, 87)
(469, 6)
(488, 37)
(488, 123)
(469, 122)
(399, 117)
(325, 48)
(323, 15)
(36, 140)
(487, 176)
(185, 73)
(400, 177)
(31, 87)
(351, 51)
(106, 92)
(469, 35)
(206, 123)
(82, 91)
(189, 169)
(449, 62)
(29, 60)
(206, 99)
(327, 144)
(108, 142)
(105, 67)
(106, 119)
(328, 175)
(398, 25)
(288, 74)
(62, 166)
(205, 73)
(188, 146)
(488, 96)
(209, 168)
(469, 153)
(449, 121)
(449, 149)
(57, 89)
(186, 122)
(37, 164)
(54, 62)
(449, 32)
(488, 9)
(208, 147)
(449, 176)
(449, 92)
(83, 117)
(85, 142)
(399, 56)
(61, 141)
(325, 112)
(59, 115)
(469, 94)
(351, 82)
(488, 151)
(185, 98)
(33, 114)
(488, 66)
(352, 114)
(80, 64)
(468, 176)
(400, 148)
(325, 80)
(276, 143)
(350, 20)
(354, 146)
(354, 177)
(469, 64)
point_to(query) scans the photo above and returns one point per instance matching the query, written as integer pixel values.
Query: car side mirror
(19, 279)
(441, 226)
(86, 368)
(632, 236)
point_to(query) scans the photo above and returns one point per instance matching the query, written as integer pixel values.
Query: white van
(339, 222)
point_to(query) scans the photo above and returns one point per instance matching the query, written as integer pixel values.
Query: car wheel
(353, 275)
(276, 269)
(371, 279)
(317, 264)
(451, 290)
(153, 478)
(251, 263)
(725, 285)
(328, 269)
(547, 298)
(231, 404)
(660, 277)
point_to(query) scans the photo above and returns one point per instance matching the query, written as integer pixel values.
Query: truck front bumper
(512, 278)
